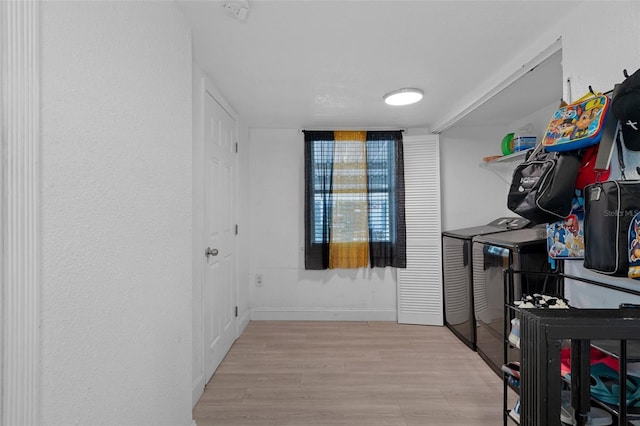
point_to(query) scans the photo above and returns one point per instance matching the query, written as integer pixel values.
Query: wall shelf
(503, 166)
(507, 158)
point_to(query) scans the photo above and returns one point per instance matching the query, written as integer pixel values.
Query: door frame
(20, 280)
(201, 86)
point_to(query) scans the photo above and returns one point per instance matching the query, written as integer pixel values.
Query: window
(354, 199)
(381, 179)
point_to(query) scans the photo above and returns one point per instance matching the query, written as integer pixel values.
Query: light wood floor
(350, 373)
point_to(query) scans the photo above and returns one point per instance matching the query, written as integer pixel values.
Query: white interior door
(218, 294)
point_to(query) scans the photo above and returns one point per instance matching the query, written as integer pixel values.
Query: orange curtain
(349, 244)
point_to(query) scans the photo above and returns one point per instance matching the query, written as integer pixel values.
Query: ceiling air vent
(238, 9)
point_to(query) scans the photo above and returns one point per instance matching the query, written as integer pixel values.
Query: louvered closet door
(420, 284)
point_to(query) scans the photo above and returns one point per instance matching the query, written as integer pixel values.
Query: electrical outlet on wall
(259, 279)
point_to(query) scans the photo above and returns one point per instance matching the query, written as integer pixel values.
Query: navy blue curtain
(385, 179)
(318, 165)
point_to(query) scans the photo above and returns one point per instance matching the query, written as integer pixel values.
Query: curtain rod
(375, 129)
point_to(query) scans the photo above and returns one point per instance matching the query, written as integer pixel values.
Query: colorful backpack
(577, 125)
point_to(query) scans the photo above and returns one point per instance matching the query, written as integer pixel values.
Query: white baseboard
(310, 314)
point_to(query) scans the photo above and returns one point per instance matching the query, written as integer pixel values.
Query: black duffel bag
(543, 186)
(609, 208)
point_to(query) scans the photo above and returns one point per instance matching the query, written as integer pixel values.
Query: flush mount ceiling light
(403, 97)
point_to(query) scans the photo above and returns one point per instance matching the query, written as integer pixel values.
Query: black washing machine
(521, 250)
(457, 272)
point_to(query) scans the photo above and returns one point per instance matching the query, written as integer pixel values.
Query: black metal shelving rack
(541, 334)
(553, 287)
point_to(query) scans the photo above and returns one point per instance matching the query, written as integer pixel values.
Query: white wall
(620, 44)
(277, 245)
(116, 214)
(198, 240)
(471, 195)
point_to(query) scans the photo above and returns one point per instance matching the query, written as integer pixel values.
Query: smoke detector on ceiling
(238, 9)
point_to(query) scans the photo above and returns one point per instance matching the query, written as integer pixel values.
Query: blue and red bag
(634, 247)
(577, 125)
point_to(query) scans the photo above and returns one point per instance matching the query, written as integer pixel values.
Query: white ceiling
(327, 64)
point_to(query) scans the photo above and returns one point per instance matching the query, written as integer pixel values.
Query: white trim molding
(20, 309)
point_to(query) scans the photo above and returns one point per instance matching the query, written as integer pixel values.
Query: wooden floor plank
(304, 373)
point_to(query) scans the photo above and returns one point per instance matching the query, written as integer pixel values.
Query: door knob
(210, 252)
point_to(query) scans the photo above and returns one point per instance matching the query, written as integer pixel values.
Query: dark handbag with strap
(542, 187)
(609, 208)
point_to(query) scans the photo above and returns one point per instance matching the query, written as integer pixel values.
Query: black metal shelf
(542, 332)
(511, 311)
(613, 331)
(612, 348)
(632, 414)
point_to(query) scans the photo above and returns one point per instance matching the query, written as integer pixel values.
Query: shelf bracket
(503, 166)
